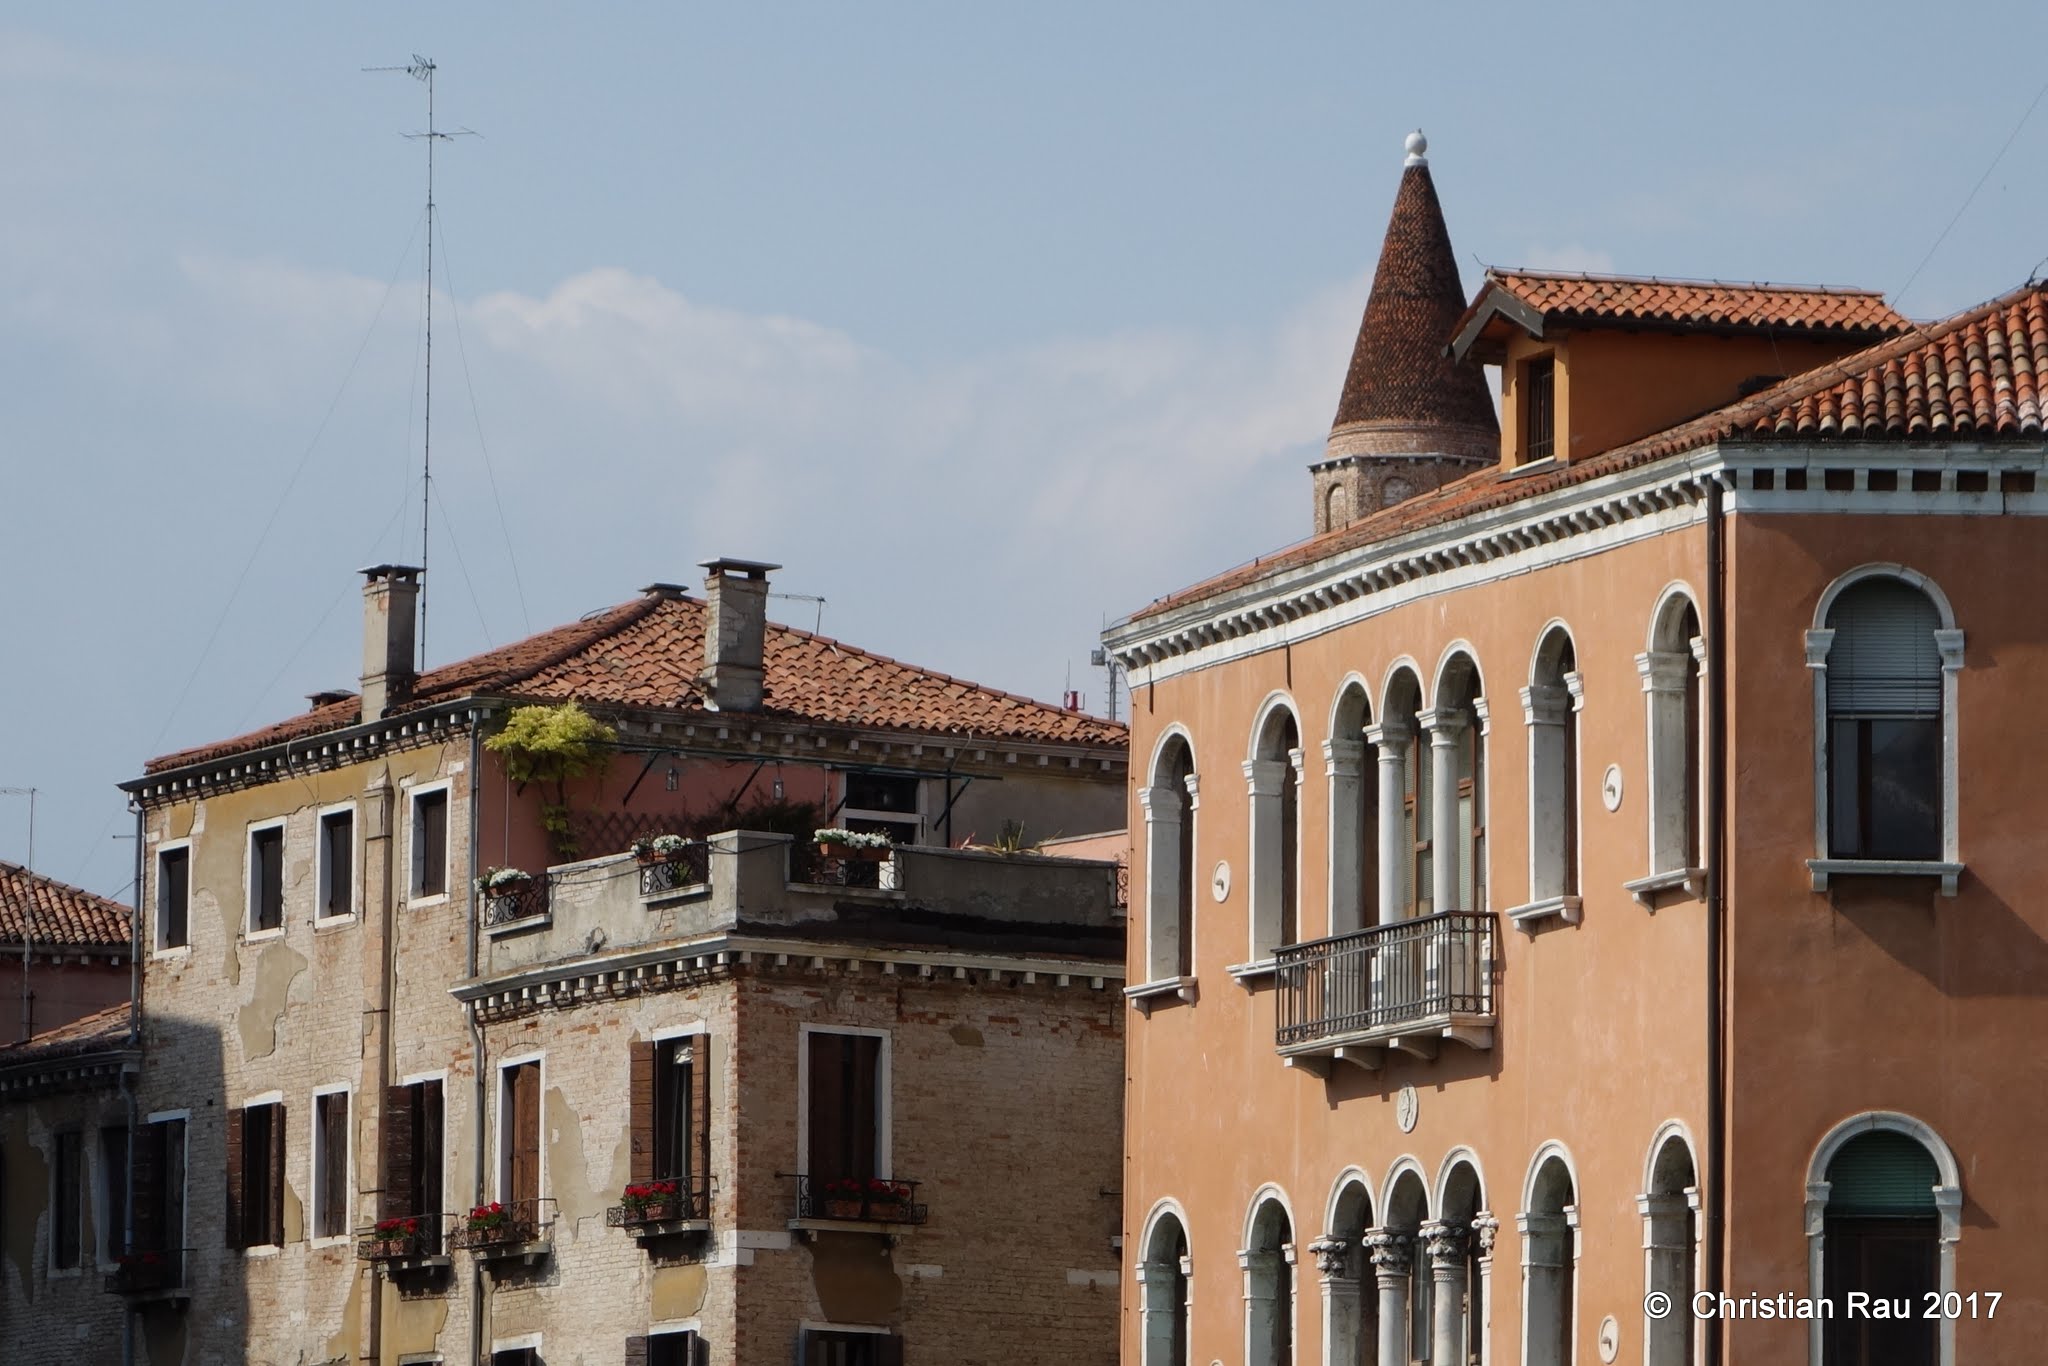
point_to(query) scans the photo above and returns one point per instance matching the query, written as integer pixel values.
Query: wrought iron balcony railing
(1429, 975)
(149, 1272)
(406, 1238)
(688, 867)
(516, 903)
(853, 868)
(876, 1200)
(659, 1202)
(513, 1228)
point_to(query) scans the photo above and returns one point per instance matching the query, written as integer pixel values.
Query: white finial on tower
(1417, 145)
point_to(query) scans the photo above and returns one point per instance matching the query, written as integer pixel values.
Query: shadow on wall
(1969, 946)
(184, 1204)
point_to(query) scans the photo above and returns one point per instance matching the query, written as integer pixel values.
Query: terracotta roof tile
(648, 653)
(1974, 376)
(1648, 301)
(57, 913)
(104, 1029)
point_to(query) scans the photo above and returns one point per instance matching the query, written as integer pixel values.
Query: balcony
(812, 865)
(519, 905)
(150, 1277)
(407, 1242)
(849, 1204)
(1404, 985)
(517, 1229)
(686, 870)
(662, 1209)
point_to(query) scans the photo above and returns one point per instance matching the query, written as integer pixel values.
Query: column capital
(1546, 704)
(1265, 777)
(1390, 1251)
(1443, 724)
(1343, 758)
(1390, 736)
(1161, 805)
(1332, 1254)
(1444, 1240)
(1485, 1229)
(1664, 670)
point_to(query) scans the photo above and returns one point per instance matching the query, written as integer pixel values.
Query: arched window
(1353, 768)
(1458, 1247)
(1884, 700)
(1550, 706)
(1550, 1253)
(1670, 1250)
(1671, 671)
(1269, 1288)
(1350, 1322)
(1273, 778)
(1170, 863)
(1163, 1285)
(1396, 1250)
(1452, 790)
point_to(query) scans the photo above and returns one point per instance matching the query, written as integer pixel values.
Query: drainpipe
(476, 1033)
(1717, 826)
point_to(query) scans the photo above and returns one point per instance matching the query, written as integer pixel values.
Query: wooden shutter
(526, 1132)
(640, 1089)
(636, 1348)
(276, 1210)
(398, 1141)
(1883, 658)
(700, 1115)
(889, 1351)
(863, 1117)
(146, 1161)
(237, 1231)
(427, 1149)
(827, 1114)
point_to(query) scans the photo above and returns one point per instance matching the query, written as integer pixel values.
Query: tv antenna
(422, 70)
(1113, 669)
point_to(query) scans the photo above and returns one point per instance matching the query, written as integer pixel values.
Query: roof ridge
(1608, 277)
(879, 657)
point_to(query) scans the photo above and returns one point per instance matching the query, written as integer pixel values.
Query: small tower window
(1540, 407)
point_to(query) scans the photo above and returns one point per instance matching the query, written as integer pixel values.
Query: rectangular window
(1886, 781)
(113, 1201)
(1539, 407)
(160, 1186)
(844, 1115)
(664, 1349)
(173, 896)
(886, 802)
(519, 1144)
(67, 1200)
(255, 1161)
(827, 1347)
(430, 843)
(412, 1153)
(330, 1164)
(266, 878)
(337, 864)
(669, 1104)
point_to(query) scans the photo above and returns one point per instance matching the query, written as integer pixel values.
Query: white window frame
(184, 1171)
(250, 934)
(412, 840)
(317, 1159)
(1665, 674)
(1949, 642)
(447, 1168)
(501, 1155)
(915, 818)
(1548, 898)
(249, 1103)
(1163, 952)
(158, 949)
(322, 874)
(885, 1106)
(1266, 787)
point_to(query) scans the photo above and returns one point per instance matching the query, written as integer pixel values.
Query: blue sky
(988, 323)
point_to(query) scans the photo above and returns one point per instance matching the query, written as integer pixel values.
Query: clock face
(1394, 490)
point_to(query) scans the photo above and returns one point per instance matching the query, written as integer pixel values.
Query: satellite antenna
(422, 69)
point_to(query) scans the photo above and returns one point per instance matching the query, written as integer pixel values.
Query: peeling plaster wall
(45, 1314)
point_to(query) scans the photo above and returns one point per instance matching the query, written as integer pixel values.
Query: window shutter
(640, 1062)
(426, 1148)
(236, 1232)
(526, 1132)
(700, 1117)
(147, 1162)
(889, 1351)
(398, 1141)
(276, 1232)
(1883, 659)
(827, 1157)
(863, 1119)
(636, 1348)
(1882, 1175)
(696, 1352)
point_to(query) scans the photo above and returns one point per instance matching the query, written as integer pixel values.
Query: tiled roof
(1710, 305)
(103, 1030)
(1399, 370)
(649, 652)
(56, 913)
(1975, 376)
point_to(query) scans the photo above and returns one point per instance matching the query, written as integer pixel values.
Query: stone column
(1390, 1252)
(1444, 1241)
(1343, 762)
(1445, 728)
(1392, 739)
(1338, 1267)
(1485, 1231)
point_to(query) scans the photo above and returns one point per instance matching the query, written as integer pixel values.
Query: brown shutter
(889, 1351)
(640, 1065)
(237, 1233)
(636, 1348)
(277, 1174)
(526, 1132)
(396, 1144)
(700, 1117)
(863, 1117)
(827, 1109)
(426, 1138)
(147, 1162)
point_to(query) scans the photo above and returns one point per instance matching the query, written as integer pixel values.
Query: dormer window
(1539, 407)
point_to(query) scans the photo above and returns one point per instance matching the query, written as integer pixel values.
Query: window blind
(1883, 659)
(1882, 1174)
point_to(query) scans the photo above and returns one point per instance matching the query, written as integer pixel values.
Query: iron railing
(149, 1271)
(863, 868)
(406, 1238)
(877, 1200)
(522, 901)
(688, 1200)
(1377, 980)
(689, 866)
(510, 1227)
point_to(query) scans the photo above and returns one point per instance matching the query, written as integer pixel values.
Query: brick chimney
(735, 621)
(391, 595)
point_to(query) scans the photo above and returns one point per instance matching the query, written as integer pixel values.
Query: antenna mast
(422, 69)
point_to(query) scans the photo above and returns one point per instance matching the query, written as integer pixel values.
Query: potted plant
(395, 1237)
(659, 848)
(886, 1199)
(503, 881)
(843, 1198)
(836, 842)
(653, 1201)
(490, 1223)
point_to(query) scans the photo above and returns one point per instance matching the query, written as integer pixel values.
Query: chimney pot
(391, 594)
(735, 627)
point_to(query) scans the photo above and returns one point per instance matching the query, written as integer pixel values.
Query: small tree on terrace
(553, 746)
